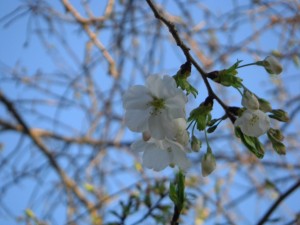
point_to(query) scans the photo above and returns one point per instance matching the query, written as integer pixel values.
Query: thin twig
(277, 202)
(68, 182)
(185, 49)
(112, 66)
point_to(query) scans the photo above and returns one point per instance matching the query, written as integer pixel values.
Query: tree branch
(185, 49)
(67, 181)
(111, 63)
(277, 203)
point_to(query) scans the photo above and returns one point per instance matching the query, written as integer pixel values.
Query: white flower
(249, 100)
(208, 163)
(158, 154)
(153, 107)
(253, 122)
(272, 65)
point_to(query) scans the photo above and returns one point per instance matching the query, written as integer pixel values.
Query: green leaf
(176, 192)
(252, 143)
(173, 193)
(201, 115)
(185, 85)
(181, 79)
(233, 68)
(180, 190)
(227, 77)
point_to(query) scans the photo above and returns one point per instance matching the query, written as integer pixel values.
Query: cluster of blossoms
(157, 110)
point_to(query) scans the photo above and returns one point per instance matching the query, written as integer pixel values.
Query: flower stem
(249, 64)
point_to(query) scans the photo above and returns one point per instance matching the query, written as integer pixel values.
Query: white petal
(137, 120)
(176, 106)
(161, 126)
(155, 158)
(181, 134)
(272, 66)
(179, 157)
(155, 86)
(162, 87)
(249, 100)
(138, 146)
(137, 97)
(253, 123)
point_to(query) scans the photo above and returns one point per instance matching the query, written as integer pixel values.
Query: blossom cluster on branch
(157, 111)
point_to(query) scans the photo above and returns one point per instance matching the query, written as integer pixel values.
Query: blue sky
(35, 58)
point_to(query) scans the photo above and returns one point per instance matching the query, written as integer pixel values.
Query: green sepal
(252, 143)
(201, 115)
(181, 79)
(264, 105)
(228, 76)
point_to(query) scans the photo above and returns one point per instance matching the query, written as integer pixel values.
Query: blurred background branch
(64, 150)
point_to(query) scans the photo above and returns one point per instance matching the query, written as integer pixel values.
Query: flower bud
(208, 163)
(279, 148)
(276, 138)
(264, 105)
(182, 135)
(272, 65)
(253, 123)
(280, 115)
(249, 100)
(276, 134)
(146, 136)
(195, 144)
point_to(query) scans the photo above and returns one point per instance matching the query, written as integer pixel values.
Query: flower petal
(253, 123)
(155, 86)
(137, 97)
(249, 100)
(178, 156)
(161, 126)
(176, 106)
(155, 158)
(138, 146)
(137, 120)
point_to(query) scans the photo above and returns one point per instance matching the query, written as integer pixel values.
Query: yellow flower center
(157, 105)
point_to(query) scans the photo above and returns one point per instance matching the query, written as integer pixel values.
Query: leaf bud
(280, 115)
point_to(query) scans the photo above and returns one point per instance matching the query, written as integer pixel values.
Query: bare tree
(63, 139)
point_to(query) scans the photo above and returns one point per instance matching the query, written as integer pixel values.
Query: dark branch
(277, 202)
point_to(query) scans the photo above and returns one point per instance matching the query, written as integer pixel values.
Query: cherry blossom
(153, 107)
(158, 154)
(253, 123)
